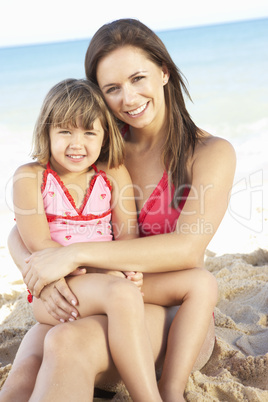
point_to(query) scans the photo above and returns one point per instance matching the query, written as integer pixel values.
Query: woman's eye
(140, 77)
(111, 89)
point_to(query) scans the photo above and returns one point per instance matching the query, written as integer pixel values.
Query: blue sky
(32, 21)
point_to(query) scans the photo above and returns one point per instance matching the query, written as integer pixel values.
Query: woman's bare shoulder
(212, 156)
(213, 147)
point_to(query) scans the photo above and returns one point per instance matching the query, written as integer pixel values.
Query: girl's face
(75, 149)
(133, 87)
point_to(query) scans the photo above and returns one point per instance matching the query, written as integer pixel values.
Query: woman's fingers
(44, 267)
(66, 293)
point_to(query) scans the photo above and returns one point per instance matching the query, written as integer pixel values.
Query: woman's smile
(138, 111)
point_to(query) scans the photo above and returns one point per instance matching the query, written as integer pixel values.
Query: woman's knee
(64, 340)
(59, 339)
(205, 285)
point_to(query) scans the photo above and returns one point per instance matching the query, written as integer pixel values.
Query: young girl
(66, 197)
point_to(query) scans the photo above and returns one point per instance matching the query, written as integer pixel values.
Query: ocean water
(225, 66)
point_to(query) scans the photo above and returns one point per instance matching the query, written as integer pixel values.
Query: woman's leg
(21, 379)
(196, 292)
(77, 356)
(128, 338)
(82, 353)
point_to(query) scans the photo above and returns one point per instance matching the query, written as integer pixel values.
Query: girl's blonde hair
(71, 103)
(182, 133)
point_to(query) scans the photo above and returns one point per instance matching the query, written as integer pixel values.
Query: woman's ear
(165, 73)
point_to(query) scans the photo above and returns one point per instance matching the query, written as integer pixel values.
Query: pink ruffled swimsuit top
(70, 224)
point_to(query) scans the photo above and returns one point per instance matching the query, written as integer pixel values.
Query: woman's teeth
(137, 111)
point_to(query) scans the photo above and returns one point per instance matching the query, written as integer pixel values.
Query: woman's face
(133, 87)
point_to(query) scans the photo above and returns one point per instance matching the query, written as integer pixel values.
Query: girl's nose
(76, 142)
(75, 146)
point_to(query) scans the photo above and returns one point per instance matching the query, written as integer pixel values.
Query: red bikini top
(157, 216)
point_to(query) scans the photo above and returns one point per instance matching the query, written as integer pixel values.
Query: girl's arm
(212, 177)
(29, 208)
(32, 234)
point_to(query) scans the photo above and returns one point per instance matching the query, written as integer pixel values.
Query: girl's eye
(90, 133)
(64, 132)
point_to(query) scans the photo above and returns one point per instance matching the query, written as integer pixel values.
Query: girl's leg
(129, 342)
(196, 291)
(21, 379)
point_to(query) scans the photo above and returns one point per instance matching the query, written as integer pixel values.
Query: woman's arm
(212, 177)
(213, 171)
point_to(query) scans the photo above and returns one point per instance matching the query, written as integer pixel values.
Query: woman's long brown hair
(182, 133)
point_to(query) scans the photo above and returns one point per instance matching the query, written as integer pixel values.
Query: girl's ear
(166, 74)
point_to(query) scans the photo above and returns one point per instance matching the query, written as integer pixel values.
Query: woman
(173, 165)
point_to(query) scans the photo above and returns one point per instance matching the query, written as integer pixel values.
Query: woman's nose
(129, 96)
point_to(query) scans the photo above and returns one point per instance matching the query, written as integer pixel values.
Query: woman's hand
(47, 266)
(59, 301)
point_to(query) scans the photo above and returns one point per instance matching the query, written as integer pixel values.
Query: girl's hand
(119, 274)
(135, 277)
(59, 301)
(47, 266)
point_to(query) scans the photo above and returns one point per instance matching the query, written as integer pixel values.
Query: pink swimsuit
(69, 224)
